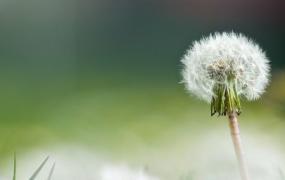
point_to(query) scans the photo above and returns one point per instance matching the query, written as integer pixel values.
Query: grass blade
(39, 169)
(15, 166)
(51, 171)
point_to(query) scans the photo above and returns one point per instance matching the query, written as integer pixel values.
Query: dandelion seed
(222, 68)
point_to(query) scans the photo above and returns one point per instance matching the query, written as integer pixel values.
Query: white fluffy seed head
(214, 59)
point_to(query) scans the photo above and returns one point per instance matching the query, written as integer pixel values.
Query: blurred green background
(105, 74)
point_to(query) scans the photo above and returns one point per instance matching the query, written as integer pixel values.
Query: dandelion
(221, 69)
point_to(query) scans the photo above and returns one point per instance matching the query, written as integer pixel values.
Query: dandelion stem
(235, 133)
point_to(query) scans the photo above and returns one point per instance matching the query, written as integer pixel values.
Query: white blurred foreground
(122, 172)
(76, 164)
(209, 158)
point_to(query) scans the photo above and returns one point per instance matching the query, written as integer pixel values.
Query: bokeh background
(104, 76)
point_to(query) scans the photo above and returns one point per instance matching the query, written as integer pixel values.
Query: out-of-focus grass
(14, 167)
(37, 171)
(120, 119)
(51, 171)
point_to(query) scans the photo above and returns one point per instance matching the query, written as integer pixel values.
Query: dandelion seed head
(215, 59)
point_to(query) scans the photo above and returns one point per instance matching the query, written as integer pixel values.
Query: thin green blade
(39, 169)
(15, 165)
(51, 171)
